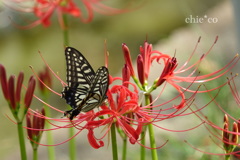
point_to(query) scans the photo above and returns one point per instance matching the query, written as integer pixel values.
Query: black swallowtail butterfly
(86, 89)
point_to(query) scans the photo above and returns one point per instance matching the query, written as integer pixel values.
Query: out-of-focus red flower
(3, 80)
(35, 126)
(46, 78)
(44, 10)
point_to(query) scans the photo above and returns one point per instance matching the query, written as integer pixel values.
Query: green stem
(21, 141)
(152, 142)
(51, 149)
(124, 152)
(65, 31)
(72, 144)
(151, 133)
(227, 157)
(114, 142)
(35, 154)
(142, 148)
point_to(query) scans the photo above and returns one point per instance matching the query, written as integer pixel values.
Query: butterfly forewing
(79, 73)
(78, 69)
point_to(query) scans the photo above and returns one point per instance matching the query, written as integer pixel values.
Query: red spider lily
(44, 10)
(29, 92)
(170, 73)
(123, 109)
(45, 76)
(123, 106)
(13, 96)
(35, 126)
(228, 137)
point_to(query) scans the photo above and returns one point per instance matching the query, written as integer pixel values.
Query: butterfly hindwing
(98, 89)
(86, 89)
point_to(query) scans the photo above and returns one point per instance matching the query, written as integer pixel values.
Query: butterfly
(85, 89)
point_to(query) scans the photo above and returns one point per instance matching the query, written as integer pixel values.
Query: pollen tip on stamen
(175, 52)
(237, 55)
(203, 55)
(216, 39)
(199, 39)
(200, 86)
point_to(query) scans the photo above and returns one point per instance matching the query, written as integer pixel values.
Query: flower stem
(35, 154)
(151, 133)
(124, 151)
(65, 31)
(227, 157)
(114, 142)
(51, 149)
(152, 142)
(21, 141)
(72, 142)
(142, 148)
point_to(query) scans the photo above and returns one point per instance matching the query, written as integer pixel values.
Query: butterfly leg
(71, 113)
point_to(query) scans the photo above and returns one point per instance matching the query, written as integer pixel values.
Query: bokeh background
(163, 22)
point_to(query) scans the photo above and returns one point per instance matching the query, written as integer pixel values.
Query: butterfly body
(86, 89)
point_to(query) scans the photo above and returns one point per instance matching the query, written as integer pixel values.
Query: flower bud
(19, 86)
(3, 80)
(30, 91)
(11, 92)
(125, 75)
(128, 59)
(235, 136)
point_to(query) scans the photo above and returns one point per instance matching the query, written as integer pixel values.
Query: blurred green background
(163, 22)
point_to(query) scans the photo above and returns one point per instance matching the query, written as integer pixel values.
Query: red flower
(35, 126)
(3, 80)
(44, 10)
(124, 107)
(123, 110)
(170, 73)
(29, 92)
(46, 78)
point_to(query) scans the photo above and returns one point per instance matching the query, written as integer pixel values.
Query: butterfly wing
(97, 91)
(86, 90)
(79, 77)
